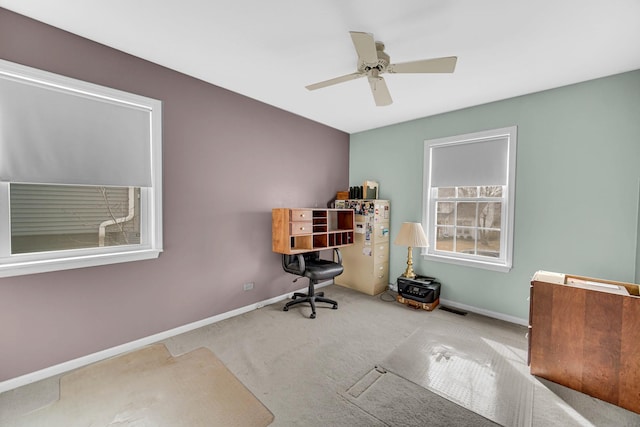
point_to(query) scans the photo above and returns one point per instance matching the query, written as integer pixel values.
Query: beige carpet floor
(149, 387)
(324, 371)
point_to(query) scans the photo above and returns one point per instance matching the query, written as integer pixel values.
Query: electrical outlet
(248, 286)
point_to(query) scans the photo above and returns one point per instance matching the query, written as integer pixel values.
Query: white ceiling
(270, 50)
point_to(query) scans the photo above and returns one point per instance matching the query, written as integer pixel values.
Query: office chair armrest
(338, 255)
(294, 264)
(301, 264)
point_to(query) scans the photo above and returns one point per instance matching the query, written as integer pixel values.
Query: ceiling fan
(373, 61)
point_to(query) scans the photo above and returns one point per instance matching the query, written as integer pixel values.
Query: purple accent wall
(228, 160)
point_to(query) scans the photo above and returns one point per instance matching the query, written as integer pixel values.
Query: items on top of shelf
(355, 192)
(369, 190)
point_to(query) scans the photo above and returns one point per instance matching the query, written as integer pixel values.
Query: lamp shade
(411, 234)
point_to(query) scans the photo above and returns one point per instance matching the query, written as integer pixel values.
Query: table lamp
(412, 235)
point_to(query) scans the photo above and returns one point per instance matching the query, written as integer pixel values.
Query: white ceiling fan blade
(365, 47)
(335, 81)
(435, 65)
(380, 91)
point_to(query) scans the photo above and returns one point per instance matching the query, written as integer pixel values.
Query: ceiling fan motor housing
(381, 65)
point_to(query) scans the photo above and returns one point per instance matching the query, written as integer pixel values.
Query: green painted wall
(576, 207)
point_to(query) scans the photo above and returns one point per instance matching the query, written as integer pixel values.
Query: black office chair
(310, 265)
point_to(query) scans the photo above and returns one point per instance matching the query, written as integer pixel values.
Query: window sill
(501, 267)
(20, 268)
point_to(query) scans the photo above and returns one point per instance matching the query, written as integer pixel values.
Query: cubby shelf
(298, 230)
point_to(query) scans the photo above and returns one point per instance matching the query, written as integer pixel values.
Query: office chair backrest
(311, 256)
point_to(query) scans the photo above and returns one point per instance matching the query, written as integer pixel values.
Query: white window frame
(505, 261)
(151, 244)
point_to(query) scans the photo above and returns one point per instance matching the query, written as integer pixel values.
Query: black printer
(421, 288)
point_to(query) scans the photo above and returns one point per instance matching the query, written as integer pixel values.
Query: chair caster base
(310, 298)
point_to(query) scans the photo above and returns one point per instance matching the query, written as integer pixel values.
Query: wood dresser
(586, 339)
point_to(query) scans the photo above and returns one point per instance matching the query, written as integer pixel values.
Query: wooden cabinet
(366, 263)
(587, 339)
(299, 230)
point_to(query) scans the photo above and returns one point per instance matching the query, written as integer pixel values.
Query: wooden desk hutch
(300, 230)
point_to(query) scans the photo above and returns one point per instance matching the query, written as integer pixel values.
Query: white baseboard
(70, 365)
(482, 311)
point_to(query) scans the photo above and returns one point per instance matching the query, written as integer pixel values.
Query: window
(80, 173)
(61, 217)
(469, 186)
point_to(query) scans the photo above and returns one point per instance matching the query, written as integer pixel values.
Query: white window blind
(50, 133)
(466, 163)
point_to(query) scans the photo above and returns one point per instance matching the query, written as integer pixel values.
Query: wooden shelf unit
(299, 230)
